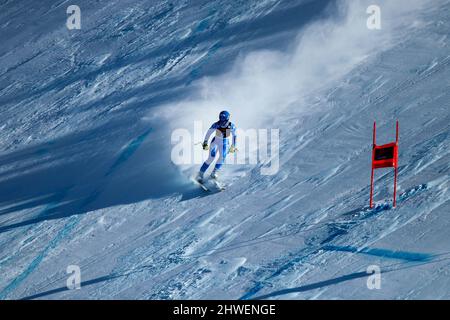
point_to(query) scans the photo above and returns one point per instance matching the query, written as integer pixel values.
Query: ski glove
(205, 146)
(233, 149)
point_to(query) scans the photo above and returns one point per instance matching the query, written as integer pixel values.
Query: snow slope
(86, 176)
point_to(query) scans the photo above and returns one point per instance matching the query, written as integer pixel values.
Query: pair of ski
(206, 186)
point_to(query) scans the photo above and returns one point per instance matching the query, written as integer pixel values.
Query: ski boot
(200, 177)
(215, 174)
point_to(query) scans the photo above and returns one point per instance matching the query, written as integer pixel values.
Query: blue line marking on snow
(358, 214)
(252, 291)
(57, 198)
(68, 227)
(383, 253)
(35, 263)
(73, 221)
(129, 150)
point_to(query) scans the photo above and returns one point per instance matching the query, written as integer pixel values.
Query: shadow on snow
(87, 171)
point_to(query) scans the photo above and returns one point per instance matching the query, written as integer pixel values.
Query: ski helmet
(224, 116)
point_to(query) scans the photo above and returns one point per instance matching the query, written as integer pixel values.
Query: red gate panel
(384, 156)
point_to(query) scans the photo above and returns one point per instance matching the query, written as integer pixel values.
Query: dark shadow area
(87, 283)
(225, 35)
(313, 286)
(383, 253)
(334, 227)
(122, 162)
(100, 168)
(356, 275)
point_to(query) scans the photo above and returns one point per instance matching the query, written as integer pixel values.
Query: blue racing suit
(220, 144)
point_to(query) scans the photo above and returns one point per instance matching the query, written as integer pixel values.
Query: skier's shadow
(87, 171)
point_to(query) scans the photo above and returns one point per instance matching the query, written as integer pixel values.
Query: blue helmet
(224, 116)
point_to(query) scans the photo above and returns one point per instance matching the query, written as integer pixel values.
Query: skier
(220, 144)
